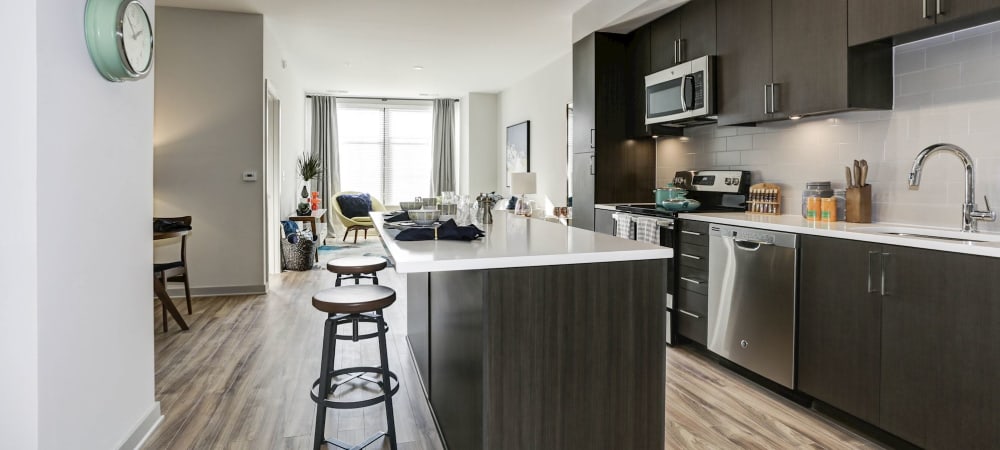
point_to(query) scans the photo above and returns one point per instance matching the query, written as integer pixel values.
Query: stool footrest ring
(357, 372)
(345, 446)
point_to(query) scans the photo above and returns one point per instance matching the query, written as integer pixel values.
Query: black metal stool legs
(386, 380)
(357, 278)
(326, 386)
(326, 363)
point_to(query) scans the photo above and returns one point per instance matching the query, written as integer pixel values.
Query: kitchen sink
(938, 234)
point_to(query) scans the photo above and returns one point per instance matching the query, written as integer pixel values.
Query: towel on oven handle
(623, 226)
(646, 230)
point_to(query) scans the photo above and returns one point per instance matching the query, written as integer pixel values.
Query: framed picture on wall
(518, 148)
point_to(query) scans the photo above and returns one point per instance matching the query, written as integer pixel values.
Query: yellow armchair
(355, 223)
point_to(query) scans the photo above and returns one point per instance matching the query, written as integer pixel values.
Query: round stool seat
(354, 299)
(356, 265)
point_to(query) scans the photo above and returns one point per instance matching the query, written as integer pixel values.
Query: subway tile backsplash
(947, 89)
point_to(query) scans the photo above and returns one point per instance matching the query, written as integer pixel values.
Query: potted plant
(309, 167)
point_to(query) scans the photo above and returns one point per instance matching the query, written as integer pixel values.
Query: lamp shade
(522, 183)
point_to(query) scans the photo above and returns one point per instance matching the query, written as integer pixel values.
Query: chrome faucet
(970, 216)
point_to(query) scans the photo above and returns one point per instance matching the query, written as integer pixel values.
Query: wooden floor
(240, 378)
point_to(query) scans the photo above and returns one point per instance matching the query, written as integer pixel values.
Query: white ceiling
(369, 47)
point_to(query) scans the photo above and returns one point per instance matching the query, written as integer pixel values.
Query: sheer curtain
(443, 176)
(324, 142)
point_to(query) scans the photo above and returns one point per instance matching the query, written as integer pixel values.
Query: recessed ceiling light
(418, 67)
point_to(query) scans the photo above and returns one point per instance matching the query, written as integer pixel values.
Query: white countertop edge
(841, 230)
(531, 261)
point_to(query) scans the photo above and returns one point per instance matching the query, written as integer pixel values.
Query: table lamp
(522, 183)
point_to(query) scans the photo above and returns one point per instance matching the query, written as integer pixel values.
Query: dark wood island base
(564, 357)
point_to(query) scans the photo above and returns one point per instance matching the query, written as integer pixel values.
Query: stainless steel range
(715, 190)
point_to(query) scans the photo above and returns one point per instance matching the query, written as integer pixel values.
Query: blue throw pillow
(355, 205)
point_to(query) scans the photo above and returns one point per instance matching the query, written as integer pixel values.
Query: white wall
(947, 90)
(94, 192)
(541, 98)
(18, 230)
(209, 129)
(477, 154)
(287, 86)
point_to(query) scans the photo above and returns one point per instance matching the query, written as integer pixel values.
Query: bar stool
(356, 267)
(353, 305)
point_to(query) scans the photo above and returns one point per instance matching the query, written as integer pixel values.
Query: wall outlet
(249, 175)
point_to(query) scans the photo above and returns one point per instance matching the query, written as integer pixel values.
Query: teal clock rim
(103, 32)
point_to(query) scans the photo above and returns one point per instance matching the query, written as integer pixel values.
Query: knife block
(859, 204)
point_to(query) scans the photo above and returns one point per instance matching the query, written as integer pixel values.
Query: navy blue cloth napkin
(447, 231)
(401, 217)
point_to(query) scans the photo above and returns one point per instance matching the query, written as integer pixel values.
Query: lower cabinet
(691, 265)
(906, 339)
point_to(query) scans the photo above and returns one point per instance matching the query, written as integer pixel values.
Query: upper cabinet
(871, 20)
(784, 58)
(684, 34)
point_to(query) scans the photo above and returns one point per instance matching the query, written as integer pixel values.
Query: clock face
(136, 38)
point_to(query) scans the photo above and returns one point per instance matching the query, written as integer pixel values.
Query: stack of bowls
(424, 216)
(408, 206)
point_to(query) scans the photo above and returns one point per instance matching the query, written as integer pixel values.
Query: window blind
(385, 148)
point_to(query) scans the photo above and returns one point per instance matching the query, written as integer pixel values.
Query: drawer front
(694, 256)
(692, 302)
(695, 226)
(691, 327)
(692, 279)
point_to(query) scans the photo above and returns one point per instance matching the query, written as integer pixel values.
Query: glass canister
(819, 189)
(841, 196)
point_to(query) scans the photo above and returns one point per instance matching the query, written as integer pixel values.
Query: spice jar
(818, 189)
(828, 209)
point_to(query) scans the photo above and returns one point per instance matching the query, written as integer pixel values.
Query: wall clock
(119, 38)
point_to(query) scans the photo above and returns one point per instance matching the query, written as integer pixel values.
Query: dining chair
(176, 271)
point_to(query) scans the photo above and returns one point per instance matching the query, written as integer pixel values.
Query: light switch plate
(249, 175)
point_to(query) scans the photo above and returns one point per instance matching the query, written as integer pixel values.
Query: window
(385, 148)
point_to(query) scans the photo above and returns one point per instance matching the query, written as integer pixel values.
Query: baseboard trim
(212, 291)
(142, 430)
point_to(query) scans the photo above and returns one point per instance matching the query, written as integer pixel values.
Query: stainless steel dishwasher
(752, 299)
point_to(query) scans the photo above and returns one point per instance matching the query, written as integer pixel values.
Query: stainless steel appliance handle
(870, 254)
(689, 314)
(693, 281)
(748, 245)
(684, 103)
(883, 291)
(690, 256)
(693, 233)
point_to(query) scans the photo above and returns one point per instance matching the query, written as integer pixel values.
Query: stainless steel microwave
(682, 95)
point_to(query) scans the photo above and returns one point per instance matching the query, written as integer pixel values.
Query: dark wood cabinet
(638, 57)
(941, 348)
(840, 325)
(614, 165)
(784, 58)
(683, 34)
(871, 20)
(743, 65)
(906, 339)
(907, 20)
(691, 265)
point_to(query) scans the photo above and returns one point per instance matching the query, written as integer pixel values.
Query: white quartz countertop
(514, 241)
(869, 232)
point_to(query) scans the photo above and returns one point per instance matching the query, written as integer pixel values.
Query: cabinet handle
(775, 98)
(681, 43)
(870, 254)
(593, 137)
(884, 258)
(766, 109)
(926, 14)
(689, 314)
(691, 232)
(940, 9)
(690, 256)
(592, 164)
(692, 281)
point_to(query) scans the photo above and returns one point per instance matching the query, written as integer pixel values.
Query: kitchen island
(538, 335)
